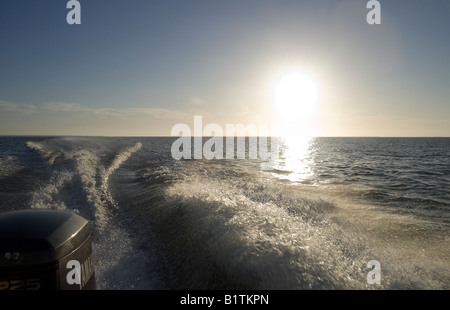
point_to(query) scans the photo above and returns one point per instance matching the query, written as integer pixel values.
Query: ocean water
(310, 219)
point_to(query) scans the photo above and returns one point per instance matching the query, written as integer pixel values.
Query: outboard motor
(45, 250)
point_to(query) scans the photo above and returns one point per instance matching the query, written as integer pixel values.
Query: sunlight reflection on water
(295, 160)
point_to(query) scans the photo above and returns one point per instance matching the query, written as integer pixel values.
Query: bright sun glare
(295, 98)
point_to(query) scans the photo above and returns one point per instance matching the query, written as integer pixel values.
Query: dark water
(311, 219)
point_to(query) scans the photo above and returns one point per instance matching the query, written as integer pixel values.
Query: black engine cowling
(45, 250)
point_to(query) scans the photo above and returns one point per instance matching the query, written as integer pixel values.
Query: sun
(295, 99)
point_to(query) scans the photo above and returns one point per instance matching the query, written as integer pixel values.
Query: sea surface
(311, 218)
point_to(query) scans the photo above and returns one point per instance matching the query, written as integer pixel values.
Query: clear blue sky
(140, 67)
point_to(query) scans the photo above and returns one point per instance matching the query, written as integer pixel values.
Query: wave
(81, 170)
(216, 226)
(121, 157)
(197, 224)
(9, 165)
(238, 232)
(50, 154)
(79, 182)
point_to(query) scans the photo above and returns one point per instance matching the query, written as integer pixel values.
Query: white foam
(79, 183)
(255, 235)
(121, 157)
(9, 165)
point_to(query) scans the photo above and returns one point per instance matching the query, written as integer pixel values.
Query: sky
(138, 68)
